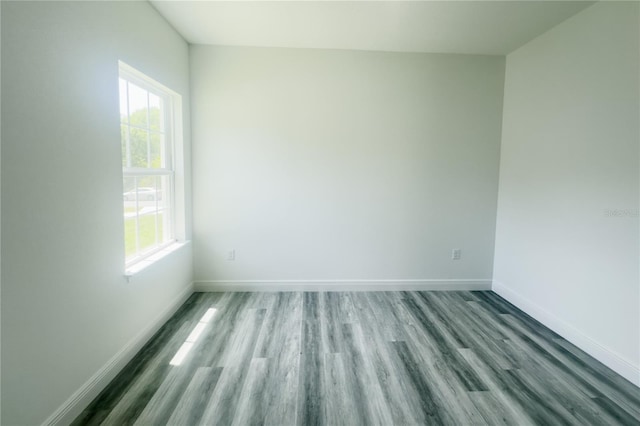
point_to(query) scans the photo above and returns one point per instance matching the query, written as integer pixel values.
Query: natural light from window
(147, 166)
(193, 336)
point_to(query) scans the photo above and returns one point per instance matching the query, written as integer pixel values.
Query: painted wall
(0, 215)
(567, 244)
(66, 306)
(344, 165)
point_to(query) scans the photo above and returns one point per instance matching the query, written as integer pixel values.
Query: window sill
(143, 264)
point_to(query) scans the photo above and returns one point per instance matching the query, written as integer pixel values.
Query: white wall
(0, 216)
(344, 165)
(570, 153)
(66, 306)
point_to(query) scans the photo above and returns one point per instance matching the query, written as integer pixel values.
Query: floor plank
(349, 358)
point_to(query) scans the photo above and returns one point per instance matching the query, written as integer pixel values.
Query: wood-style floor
(384, 358)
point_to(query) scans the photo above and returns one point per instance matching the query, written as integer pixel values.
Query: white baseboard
(603, 354)
(73, 406)
(342, 285)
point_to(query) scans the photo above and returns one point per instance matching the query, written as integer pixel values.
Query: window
(148, 135)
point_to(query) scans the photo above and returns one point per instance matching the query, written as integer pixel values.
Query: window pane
(156, 141)
(165, 218)
(130, 230)
(161, 224)
(149, 183)
(147, 213)
(139, 145)
(145, 191)
(130, 215)
(138, 106)
(148, 217)
(124, 135)
(156, 112)
(165, 192)
(128, 190)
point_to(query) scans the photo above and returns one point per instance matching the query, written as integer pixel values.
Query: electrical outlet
(456, 254)
(231, 255)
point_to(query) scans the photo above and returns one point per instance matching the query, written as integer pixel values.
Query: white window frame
(172, 169)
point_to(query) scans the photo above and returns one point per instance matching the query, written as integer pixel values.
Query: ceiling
(472, 27)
